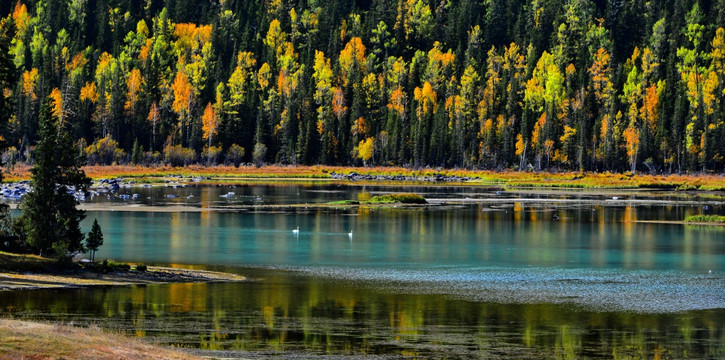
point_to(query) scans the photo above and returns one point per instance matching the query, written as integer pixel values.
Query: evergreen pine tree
(7, 75)
(50, 219)
(94, 239)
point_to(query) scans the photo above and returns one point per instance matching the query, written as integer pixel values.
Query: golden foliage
(182, 92)
(21, 17)
(398, 101)
(30, 78)
(133, 84)
(360, 127)
(143, 54)
(520, 145)
(631, 137)
(263, 76)
(427, 99)
(352, 55)
(275, 36)
(104, 61)
(184, 33)
(78, 61)
(89, 92)
(569, 133)
(537, 134)
(718, 51)
(323, 77)
(153, 113)
(241, 77)
(599, 72)
(209, 121)
(354, 51)
(57, 103)
(365, 149)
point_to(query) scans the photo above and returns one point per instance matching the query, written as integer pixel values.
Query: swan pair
(297, 232)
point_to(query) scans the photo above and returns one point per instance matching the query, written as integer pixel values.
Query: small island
(705, 220)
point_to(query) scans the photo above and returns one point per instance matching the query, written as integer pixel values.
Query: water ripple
(644, 291)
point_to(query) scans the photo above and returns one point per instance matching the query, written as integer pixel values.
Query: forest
(607, 85)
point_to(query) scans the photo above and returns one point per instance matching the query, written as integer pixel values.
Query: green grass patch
(344, 202)
(709, 219)
(398, 198)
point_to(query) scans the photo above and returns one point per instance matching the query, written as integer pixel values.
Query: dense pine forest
(607, 85)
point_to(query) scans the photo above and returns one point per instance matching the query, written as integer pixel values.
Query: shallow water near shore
(496, 279)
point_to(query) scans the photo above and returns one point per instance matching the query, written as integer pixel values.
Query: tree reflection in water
(284, 312)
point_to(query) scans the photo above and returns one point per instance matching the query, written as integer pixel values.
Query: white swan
(296, 231)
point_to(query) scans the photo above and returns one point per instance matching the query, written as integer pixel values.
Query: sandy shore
(76, 279)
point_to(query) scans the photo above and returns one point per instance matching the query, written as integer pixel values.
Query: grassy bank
(27, 272)
(509, 179)
(31, 340)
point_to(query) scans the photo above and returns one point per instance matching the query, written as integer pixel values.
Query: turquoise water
(591, 258)
(466, 281)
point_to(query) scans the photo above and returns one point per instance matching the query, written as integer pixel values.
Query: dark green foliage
(141, 268)
(112, 266)
(94, 239)
(137, 154)
(7, 77)
(50, 219)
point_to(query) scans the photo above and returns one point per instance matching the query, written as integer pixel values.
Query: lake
(530, 274)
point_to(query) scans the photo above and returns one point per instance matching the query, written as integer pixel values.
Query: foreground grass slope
(30, 340)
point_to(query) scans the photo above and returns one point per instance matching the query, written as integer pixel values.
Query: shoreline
(399, 175)
(17, 281)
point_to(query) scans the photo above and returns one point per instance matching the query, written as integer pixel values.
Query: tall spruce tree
(94, 239)
(7, 77)
(51, 219)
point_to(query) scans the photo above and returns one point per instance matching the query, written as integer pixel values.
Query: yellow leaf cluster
(21, 17)
(89, 92)
(398, 101)
(209, 122)
(360, 127)
(133, 84)
(30, 78)
(365, 149)
(182, 92)
(57, 103)
(427, 99)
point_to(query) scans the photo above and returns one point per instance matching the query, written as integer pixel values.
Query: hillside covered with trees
(566, 84)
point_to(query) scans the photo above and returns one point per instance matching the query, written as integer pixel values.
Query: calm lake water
(494, 277)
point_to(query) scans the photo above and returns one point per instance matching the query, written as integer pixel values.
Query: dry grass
(30, 340)
(511, 179)
(24, 262)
